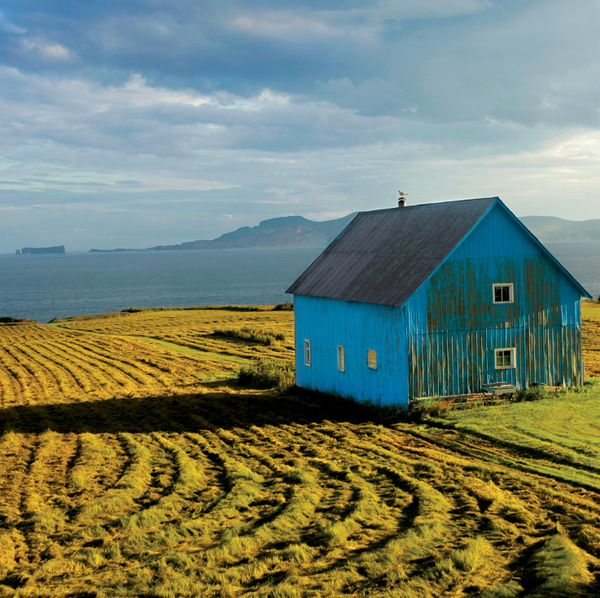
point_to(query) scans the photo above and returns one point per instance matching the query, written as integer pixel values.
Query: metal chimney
(402, 199)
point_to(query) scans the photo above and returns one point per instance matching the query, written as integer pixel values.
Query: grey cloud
(65, 183)
(63, 117)
(538, 66)
(535, 64)
(359, 100)
(313, 182)
(372, 97)
(227, 45)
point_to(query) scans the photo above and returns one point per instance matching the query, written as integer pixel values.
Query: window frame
(513, 358)
(307, 353)
(372, 352)
(511, 292)
(341, 358)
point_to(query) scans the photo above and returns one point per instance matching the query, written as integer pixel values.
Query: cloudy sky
(129, 123)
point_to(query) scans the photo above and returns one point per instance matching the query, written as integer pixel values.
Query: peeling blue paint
(442, 341)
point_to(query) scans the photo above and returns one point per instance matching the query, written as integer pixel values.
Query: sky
(134, 123)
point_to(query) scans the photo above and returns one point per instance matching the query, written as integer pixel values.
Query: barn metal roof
(384, 256)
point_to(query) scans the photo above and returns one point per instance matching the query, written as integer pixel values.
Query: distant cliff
(290, 231)
(57, 249)
(297, 231)
(549, 229)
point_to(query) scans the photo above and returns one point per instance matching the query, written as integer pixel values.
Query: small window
(504, 293)
(307, 355)
(341, 358)
(505, 359)
(372, 359)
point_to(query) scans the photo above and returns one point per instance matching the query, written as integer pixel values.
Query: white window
(307, 355)
(505, 359)
(504, 292)
(341, 358)
(371, 359)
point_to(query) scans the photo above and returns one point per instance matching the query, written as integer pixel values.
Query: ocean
(43, 287)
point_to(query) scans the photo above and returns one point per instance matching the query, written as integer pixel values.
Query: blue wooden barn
(436, 300)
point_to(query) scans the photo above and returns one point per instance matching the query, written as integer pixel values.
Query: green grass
(133, 464)
(266, 373)
(252, 335)
(561, 568)
(197, 352)
(561, 432)
(9, 320)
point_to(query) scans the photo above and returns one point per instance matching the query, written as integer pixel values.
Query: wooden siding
(459, 362)
(442, 340)
(452, 350)
(459, 294)
(328, 323)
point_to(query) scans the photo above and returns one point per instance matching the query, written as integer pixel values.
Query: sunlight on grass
(133, 464)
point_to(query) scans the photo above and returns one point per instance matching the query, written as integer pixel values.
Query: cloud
(159, 120)
(144, 120)
(228, 45)
(371, 97)
(9, 27)
(362, 22)
(296, 28)
(47, 50)
(539, 65)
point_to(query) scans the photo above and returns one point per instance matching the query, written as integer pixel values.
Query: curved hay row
(237, 506)
(53, 367)
(17, 451)
(122, 497)
(55, 379)
(106, 358)
(298, 506)
(39, 365)
(164, 365)
(117, 369)
(10, 389)
(90, 375)
(28, 389)
(99, 464)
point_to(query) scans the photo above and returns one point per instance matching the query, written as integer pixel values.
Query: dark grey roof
(384, 256)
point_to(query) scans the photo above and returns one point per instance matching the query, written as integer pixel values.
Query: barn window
(307, 355)
(504, 292)
(341, 358)
(372, 359)
(505, 359)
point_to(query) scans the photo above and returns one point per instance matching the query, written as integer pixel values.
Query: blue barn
(436, 300)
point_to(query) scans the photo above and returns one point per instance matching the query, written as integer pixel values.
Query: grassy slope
(194, 328)
(122, 475)
(590, 313)
(560, 435)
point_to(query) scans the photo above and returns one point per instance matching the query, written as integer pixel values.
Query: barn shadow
(183, 413)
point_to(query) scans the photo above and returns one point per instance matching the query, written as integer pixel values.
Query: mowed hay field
(131, 464)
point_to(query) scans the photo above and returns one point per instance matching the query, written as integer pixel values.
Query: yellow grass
(131, 468)
(590, 313)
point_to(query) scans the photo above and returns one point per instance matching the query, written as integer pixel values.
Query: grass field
(131, 464)
(590, 313)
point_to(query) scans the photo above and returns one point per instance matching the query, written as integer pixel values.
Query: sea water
(47, 286)
(43, 287)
